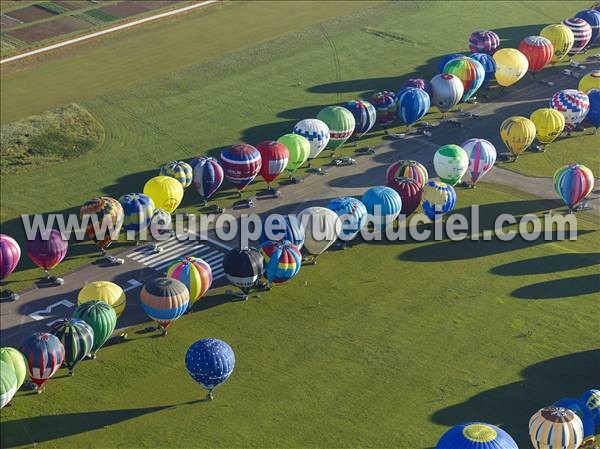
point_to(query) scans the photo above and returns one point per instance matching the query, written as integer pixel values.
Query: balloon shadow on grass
(548, 264)
(560, 288)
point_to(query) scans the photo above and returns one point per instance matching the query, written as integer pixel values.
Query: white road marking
(38, 314)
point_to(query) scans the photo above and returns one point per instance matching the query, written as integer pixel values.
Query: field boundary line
(107, 31)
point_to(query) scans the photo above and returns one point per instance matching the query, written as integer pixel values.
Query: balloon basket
(209, 396)
(70, 373)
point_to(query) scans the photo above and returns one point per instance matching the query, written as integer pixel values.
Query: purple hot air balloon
(10, 253)
(207, 176)
(47, 249)
(419, 83)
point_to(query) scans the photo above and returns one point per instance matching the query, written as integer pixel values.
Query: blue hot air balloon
(207, 176)
(445, 59)
(282, 261)
(593, 115)
(413, 104)
(138, 210)
(591, 399)
(383, 204)
(283, 227)
(592, 17)
(210, 362)
(352, 213)
(364, 114)
(438, 198)
(488, 63)
(476, 435)
(584, 413)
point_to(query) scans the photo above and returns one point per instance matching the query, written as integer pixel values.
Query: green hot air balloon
(14, 358)
(8, 383)
(299, 149)
(77, 337)
(341, 125)
(451, 163)
(102, 319)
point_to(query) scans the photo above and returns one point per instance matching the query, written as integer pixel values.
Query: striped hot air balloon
(341, 125)
(438, 198)
(101, 318)
(573, 183)
(590, 81)
(488, 64)
(241, 164)
(106, 210)
(572, 104)
(555, 428)
(282, 261)
(352, 214)
(470, 73)
(484, 41)
(105, 291)
(476, 435)
(47, 249)
(210, 362)
(282, 227)
(8, 383)
(275, 157)
(447, 58)
(582, 31)
(413, 104)
(407, 169)
(383, 205)
(195, 274)
(410, 193)
(482, 156)
(10, 253)
(44, 354)
(207, 176)
(592, 17)
(538, 50)
(137, 212)
(77, 338)
(316, 132)
(386, 107)
(418, 83)
(364, 114)
(164, 300)
(243, 268)
(181, 171)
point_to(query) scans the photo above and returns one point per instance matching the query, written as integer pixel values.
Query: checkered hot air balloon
(582, 32)
(385, 106)
(407, 169)
(103, 210)
(470, 73)
(181, 171)
(44, 353)
(282, 227)
(438, 198)
(555, 428)
(383, 205)
(77, 338)
(164, 300)
(210, 362)
(10, 253)
(316, 132)
(364, 114)
(573, 183)
(207, 176)
(282, 261)
(195, 274)
(410, 193)
(47, 249)
(538, 50)
(572, 104)
(352, 214)
(484, 41)
(241, 164)
(137, 211)
(482, 156)
(275, 157)
(413, 104)
(476, 435)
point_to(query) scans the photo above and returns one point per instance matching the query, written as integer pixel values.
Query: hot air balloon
(413, 104)
(77, 338)
(210, 362)
(470, 73)
(582, 31)
(584, 413)
(562, 39)
(591, 399)
(104, 291)
(316, 132)
(8, 384)
(207, 176)
(573, 183)
(352, 214)
(593, 115)
(275, 157)
(511, 66)
(166, 192)
(447, 58)
(195, 274)
(407, 169)
(298, 148)
(451, 163)
(101, 318)
(385, 105)
(482, 156)
(488, 64)
(364, 114)
(410, 193)
(383, 205)
(282, 227)
(16, 361)
(160, 223)
(10, 253)
(47, 250)
(538, 50)
(438, 198)
(137, 211)
(549, 124)
(476, 435)
(590, 81)
(321, 228)
(241, 164)
(592, 17)
(484, 41)
(447, 91)
(243, 268)
(418, 83)
(572, 104)
(282, 261)
(44, 354)
(517, 133)
(105, 211)
(164, 300)
(181, 171)
(340, 122)
(555, 428)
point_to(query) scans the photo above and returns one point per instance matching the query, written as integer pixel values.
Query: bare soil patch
(46, 30)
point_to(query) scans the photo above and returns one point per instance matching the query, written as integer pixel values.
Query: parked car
(112, 260)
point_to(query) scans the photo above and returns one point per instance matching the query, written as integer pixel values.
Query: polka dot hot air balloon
(517, 133)
(484, 41)
(317, 134)
(243, 268)
(555, 428)
(352, 214)
(418, 83)
(341, 125)
(538, 50)
(16, 361)
(438, 198)
(8, 384)
(592, 17)
(108, 215)
(77, 338)
(47, 249)
(447, 58)
(549, 124)
(383, 205)
(282, 227)
(482, 157)
(410, 193)
(195, 274)
(470, 73)
(101, 318)
(10, 253)
(451, 163)
(476, 435)
(591, 399)
(511, 66)
(181, 171)
(275, 157)
(590, 81)
(572, 104)
(413, 104)
(582, 32)
(385, 105)
(44, 354)
(562, 39)
(210, 362)
(105, 291)
(164, 300)
(573, 183)
(298, 148)
(282, 261)
(137, 212)
(241, 164)
(364, 114)
(447, 91)
(207, 176)
(407, 169)
(488, 64)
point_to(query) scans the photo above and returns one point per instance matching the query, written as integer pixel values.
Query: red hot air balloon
(47, 249)
(44, 354)
(410, 192)
(241, 164)
(275, 157)
(538, 50)
(10, 253)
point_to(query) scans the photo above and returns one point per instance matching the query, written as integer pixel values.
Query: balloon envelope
(282, 227)
(164, 300)
(484, 41)
(101, 317)
(593, 115)
(482, 156)
(275, 157)
(438, 199)
(517, 133)
(47, 249)
(364, 114)
(549, 124)
(210, 362)
(410, 193)
(282, 260)
(385, 105)
(16, 360)
(488, 64)
(447, 91)
(538, 50)
(573, 183)
(413, 104)
(511, 66)
(445, 59)
(194, 273)
(469, 71)
(10, 253)
(418, 83)
(44, 354)
(105, 210)
(582, 32)
(243, 267)
(207, 176)
(451, 163)
(321, 228)
(352, 214)
(77, 338)
(581, 410)
(181, 171)
(476, 435)
(104, 291)
(340, 122)
(8, 383)
(298, 148)
(572, 104)
(317, 134)
(137, 211)
(241, 164)
(592, 17)
(383, 205)
(562, 39)
(555, 428)
(591, 399)
(166, 192)
(590, 81)
(407, 169)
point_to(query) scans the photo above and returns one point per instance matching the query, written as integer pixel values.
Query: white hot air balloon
(316, 132)
(447, 91)
(321, 228)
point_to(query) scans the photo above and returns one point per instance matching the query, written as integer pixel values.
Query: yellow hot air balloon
(517, 133)
(511, 66)
(104, 291)
(562, 39)
(549, 123)
(590, 81)
(166, 192)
